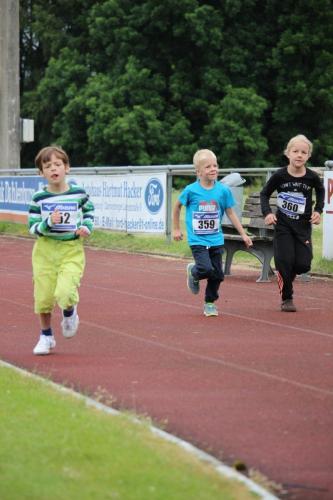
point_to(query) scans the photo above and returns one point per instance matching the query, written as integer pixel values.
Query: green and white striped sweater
(74, 205)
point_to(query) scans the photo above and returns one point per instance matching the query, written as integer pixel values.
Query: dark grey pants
(208, 265)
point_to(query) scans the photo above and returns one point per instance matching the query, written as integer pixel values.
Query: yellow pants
(57, 271)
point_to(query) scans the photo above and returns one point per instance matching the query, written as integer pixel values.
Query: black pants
(292, 252)
(208, 265)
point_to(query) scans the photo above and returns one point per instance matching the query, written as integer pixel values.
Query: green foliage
(303, 63)
(120, 82)
(234, 130)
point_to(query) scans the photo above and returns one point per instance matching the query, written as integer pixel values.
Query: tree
(235, 129)
(302, 101)
(122, 82)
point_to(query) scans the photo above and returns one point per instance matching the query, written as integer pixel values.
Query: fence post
(169, 206)
(327, 248)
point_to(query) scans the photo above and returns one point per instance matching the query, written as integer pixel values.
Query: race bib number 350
(69, 214)
(205, 222)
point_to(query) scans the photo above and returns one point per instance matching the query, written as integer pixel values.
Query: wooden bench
(261, 235)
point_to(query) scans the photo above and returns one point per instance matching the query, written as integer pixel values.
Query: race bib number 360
(69, 214)
(291, 204)
(205, 222)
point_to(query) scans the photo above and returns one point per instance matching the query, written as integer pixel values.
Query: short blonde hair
(45, 154)
(201, 155)
(299, 137)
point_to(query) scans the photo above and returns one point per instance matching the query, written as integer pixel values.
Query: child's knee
(67, 298)
(204, 270)
(302, 268)
(43, 305)
(66, 293)
(220, 275)
(44, 286)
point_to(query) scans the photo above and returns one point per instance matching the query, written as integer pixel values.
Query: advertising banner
(131, 202)
(15, 196)
(328, 216)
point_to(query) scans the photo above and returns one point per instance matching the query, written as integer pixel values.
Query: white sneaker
(70, 324)
(44, 345)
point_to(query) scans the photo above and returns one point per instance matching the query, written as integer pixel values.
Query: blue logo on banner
(154, 196)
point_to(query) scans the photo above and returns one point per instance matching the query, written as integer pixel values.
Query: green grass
(138, 243)
(53, 446)
(160, 245)
(319, 264)
(13, 229)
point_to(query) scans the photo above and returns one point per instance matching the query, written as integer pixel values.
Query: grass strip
(54, 446)
(129, 242)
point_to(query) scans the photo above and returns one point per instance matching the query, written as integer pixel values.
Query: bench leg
(264, 254)
(266, 269)
(229, 253)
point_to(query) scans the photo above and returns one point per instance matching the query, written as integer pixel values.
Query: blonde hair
(299, 137)
(45, 154)
(200, 156)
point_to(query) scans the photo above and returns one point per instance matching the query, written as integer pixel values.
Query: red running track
(253, 384)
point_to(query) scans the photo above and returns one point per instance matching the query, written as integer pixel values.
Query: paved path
(253, 384)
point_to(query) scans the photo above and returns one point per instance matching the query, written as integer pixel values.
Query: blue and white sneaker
(192, 284)
(210, 309)
(70, 324)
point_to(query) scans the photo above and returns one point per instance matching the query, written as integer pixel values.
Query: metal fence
(170, 170)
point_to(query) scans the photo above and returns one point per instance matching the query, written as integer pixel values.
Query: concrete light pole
(9, 85)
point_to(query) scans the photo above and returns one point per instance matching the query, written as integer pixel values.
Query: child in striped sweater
(60, 215)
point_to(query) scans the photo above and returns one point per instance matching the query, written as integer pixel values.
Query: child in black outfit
(292, 241)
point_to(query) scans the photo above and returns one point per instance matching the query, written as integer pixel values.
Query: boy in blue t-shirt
(206, 200)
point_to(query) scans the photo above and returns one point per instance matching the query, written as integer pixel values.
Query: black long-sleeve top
(294, 194)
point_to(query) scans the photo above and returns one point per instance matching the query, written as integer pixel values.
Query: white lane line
(210, 359)
(194, 355)
(232, 315)
(284, 326)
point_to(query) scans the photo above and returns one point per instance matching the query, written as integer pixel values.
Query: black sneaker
(288, 306)
(192, 284)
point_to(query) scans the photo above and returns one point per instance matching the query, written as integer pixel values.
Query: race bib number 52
(69, 214)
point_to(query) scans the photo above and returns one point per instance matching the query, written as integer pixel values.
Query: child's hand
(56, 217)
(315, 218)
(83, 231)
(247, 240)
(177, 235)
(270, 219)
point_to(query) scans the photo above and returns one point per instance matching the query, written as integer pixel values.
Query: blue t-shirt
(204, 212)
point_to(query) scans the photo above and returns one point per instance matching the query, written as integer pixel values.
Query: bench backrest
(252, 217)
(256, 221)
(252, 210)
